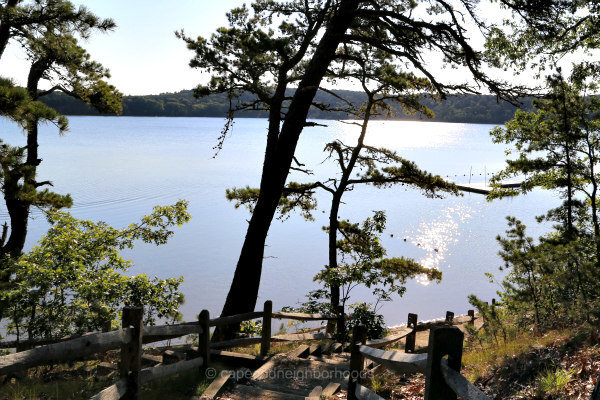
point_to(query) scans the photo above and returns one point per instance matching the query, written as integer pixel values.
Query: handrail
(441, 378)
(377, 343)
(163, 371)
(234, 319)
(395, 360)
(65, 351)
(153, 334)
(461, 386)
(302, 316)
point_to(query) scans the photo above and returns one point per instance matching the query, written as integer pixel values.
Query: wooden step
(316, 393)
(336, 348)
(331, 389)
(301, 351)
(244, 392)
(217, 387)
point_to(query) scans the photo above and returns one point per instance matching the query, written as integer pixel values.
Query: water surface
(117, 168)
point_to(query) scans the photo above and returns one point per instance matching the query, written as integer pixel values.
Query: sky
(143, 54)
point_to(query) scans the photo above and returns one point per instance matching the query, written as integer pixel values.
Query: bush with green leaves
(72, 281)
(364, 314)
(548, 283)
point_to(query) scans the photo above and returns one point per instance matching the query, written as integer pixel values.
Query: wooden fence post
(265, 344)
(411, 338)
(359, 336)
(443, 341)
(341, 323)
(471, 313)
(449, 318)
(131, 353)
(106, 326)
(204, 337)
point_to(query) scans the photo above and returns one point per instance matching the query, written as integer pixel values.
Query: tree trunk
(18, 208)
(5, 25)
(337, 199)
(243, 292)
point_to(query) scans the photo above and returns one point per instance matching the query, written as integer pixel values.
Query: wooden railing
(130, 338)
(443, 380)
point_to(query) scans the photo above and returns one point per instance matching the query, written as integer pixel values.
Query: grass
(554, 381)
(59, 382)
(478, 359)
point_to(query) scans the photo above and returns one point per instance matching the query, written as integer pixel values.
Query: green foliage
(553, 281)
(364, 263)
(72, 281)
(364, 314)
(469, 108)
(556, 148)
(17, 105)
(249, 329)
(49, 33)
(296, 197)
(548, 283)
(553, 382)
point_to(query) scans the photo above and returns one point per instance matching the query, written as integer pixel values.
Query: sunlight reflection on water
(436, 236)
(408, 135)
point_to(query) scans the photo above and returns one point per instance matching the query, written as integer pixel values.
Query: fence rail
(133, 335)
(440, 373)
(441, 364)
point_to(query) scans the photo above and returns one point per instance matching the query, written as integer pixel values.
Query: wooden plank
(336, 348)
(301, 351)
(150, 360)
(237, 359)
(326, 348)
(315, 350)
(309, 330)
(170, 330)
(396, 361)
(377, 343)
(331, 389)
(316, 393)
(150, 374)
(461, 386)
(113, 392)
(296, 337)
(424, 326)
(217, 387)
(236, 343)
(276, 388)
(302, 316)
(264, 369)
(65, 351)
(235, 319)
(172, 356)
(362, 393)
(39, 342)
(251, 392)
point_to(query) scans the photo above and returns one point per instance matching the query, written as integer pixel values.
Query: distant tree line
(466, 108)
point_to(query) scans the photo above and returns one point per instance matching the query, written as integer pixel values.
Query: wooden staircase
(308, 372)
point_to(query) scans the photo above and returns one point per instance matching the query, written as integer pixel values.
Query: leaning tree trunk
(243, 292)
